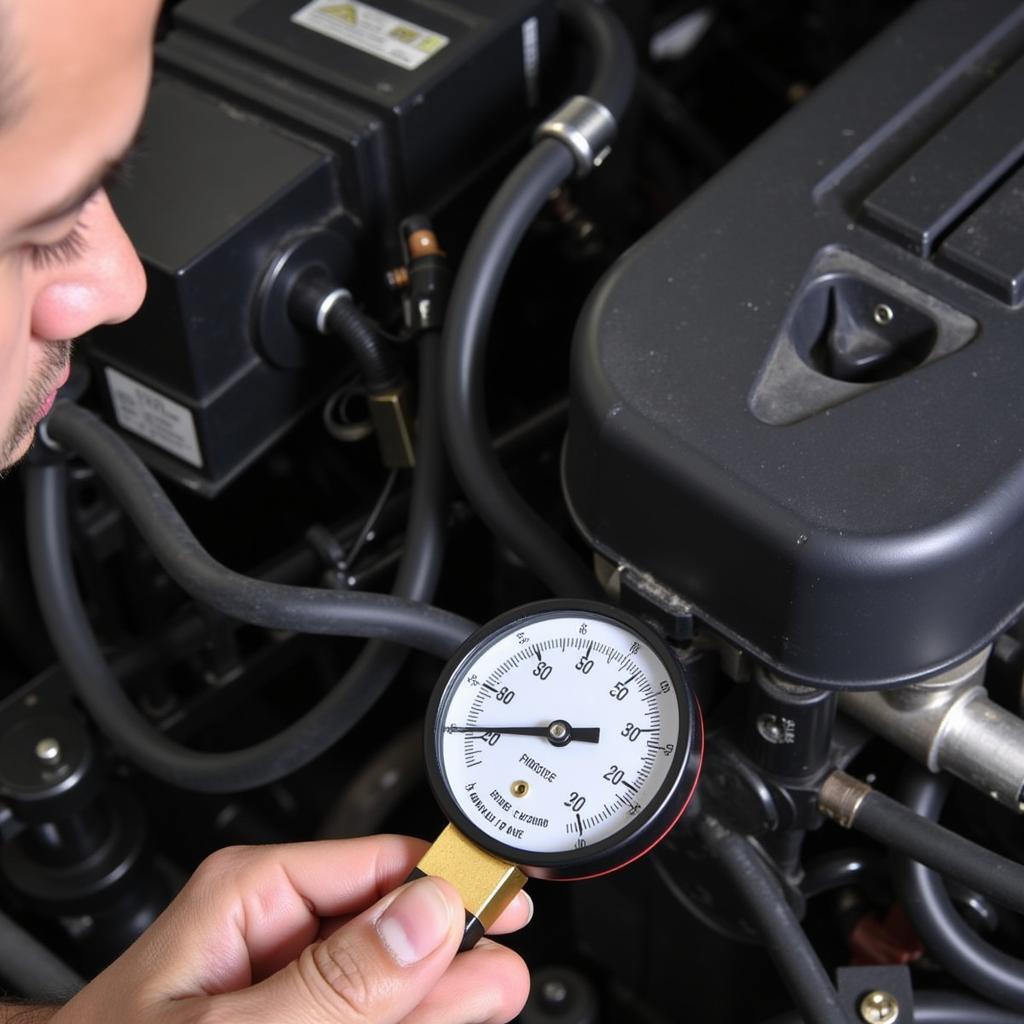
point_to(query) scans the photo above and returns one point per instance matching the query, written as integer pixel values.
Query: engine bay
(703, 314)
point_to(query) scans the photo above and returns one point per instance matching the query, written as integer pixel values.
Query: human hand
(313, 933)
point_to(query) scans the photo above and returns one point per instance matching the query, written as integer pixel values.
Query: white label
(161, 421)
(531, 60)
(373, 31)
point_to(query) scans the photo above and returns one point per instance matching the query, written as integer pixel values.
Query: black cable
(941, 1008)
(366, 680)
(950, 854)
(349, 557)
(471, 308)
(426, 530)
(272, 605)
(605, 37)
(377, 364)
(32, 969)
(992, 973)
(801, 970)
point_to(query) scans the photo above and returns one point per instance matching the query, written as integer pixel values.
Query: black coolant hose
(272, 605)
(98, 688)
(605, 38)
(896, 826)
(992, 973)
(799, 966)
(471, 308)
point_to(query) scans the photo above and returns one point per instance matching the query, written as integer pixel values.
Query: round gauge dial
(564, 739)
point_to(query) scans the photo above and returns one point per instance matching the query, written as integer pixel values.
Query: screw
(48, 750)
(554, 992)
(883, 314)
(520, 787)
(770, 729)
(557, 730)
(879, 1007)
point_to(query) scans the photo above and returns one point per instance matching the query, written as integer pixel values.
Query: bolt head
(879, 1007)
(48, 750)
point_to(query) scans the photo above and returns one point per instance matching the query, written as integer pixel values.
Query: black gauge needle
(558, 732)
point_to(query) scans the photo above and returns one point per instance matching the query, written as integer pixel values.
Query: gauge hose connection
(854, 804)
(487, 884)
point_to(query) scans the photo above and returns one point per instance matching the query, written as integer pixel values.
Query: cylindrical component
(789, 728)
(853, 804)
(983, 744)
(83, 848)
(950, 724)
(586, 127)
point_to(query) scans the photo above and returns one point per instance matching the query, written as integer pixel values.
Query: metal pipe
(949, 723)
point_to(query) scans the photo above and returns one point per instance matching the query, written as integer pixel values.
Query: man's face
(74, 80)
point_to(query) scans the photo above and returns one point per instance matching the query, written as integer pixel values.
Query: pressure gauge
(563, 739)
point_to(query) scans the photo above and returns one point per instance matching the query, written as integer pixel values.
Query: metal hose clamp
(325, 307)
(587, 127)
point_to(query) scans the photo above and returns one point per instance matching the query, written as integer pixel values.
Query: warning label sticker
(157, 418)
(373, 31)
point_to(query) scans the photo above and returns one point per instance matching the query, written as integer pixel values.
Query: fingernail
(529, 906)
(415, 923)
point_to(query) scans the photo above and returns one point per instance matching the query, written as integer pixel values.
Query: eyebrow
(109, 174)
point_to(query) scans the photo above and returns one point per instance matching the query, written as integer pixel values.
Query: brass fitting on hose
(840, 797)
(392, 423)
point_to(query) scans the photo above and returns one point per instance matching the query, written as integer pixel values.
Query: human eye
(65, 250)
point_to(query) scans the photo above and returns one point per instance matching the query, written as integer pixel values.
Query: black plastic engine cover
(797, 402)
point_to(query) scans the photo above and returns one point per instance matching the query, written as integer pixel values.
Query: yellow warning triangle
(346, 12)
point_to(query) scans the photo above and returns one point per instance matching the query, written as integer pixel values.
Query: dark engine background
(269, 152)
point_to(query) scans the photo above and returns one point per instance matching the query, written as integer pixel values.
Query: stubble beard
(56, 355)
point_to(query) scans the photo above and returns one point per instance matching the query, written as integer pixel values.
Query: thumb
(377, 967)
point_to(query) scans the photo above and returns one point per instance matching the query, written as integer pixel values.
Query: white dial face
(560, 733)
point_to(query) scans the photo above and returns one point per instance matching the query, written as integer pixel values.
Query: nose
(104, 285)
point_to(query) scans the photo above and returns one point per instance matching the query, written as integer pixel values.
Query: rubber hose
(366, 680)
(426, 530)
(471, 308)
(941, 1008)
(992, 973)
(465, 343)
(606, 39)
(839, 868)
(951, 855)
(28, 967)
(272, 605)
(377, 363)
(801, 971)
